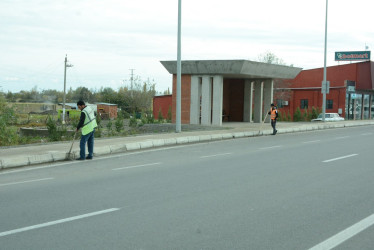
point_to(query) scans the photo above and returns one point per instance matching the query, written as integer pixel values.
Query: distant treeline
(138, 99)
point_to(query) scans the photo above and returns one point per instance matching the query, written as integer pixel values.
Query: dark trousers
(89, 139)
(273, 123)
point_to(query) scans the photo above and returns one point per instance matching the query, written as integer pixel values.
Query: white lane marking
(51, 223)
(22, 182)
(367, 134)
(311, 141)
(342, 137)
(344, 235)
(208, 156)
(339, 158)
(272, 147)
(138, 166)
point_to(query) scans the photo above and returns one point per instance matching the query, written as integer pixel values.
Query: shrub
(119, 123)
(305, 115)
(150, 119)
(297, 115)
(54, 132)
(314, 113)
(109, 125)
(133, 121)
(160, 116)
(169, 115)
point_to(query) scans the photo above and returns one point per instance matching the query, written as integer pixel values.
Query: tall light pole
(179, 66)
(324, 82)
(63, 106)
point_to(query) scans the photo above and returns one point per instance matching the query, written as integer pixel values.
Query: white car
(329, 117)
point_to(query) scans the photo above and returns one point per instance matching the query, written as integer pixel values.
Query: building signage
(351, 86)
(352, 56)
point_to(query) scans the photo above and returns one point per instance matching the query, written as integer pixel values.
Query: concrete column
(195, 101)
(370, 103)
(268, 97)
(217, 100)
(258, 101)
(206, 101)
(248, 97)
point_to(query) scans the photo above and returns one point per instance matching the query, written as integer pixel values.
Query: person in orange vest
(273, 116)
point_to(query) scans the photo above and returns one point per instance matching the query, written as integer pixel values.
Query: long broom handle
(263, 121)
(72, 142)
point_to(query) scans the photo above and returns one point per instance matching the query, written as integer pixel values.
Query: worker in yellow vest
(88, 124)
(273, 116)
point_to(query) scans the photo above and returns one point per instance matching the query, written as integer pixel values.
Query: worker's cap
(272, 104)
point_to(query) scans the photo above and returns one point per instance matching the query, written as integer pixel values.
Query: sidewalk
(52, 152)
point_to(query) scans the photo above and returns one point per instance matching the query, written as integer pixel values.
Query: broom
(70, 155)
(263, 122)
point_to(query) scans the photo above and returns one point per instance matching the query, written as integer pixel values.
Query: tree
(269, 57)
(280, 85)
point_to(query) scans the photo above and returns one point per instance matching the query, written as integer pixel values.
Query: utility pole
(132, 77)
(178, 127)
(63, 106)
(325, 84)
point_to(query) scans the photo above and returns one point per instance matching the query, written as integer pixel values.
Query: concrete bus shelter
(231, 90)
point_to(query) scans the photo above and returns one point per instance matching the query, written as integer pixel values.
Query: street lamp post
(63, 106)
(324, 82)
(179, 66)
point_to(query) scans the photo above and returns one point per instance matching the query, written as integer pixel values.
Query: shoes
(80, 159)
(89, 158)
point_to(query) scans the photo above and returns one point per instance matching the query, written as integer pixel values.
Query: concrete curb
(132, 146)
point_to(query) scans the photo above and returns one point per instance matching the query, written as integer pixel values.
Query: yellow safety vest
(89, 122)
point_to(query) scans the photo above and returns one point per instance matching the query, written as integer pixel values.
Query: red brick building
(107, 110)
(351, 91)
(162, 103)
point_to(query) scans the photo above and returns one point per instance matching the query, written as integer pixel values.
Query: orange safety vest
(273, 114)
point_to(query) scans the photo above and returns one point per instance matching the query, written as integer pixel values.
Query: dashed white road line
(340, 158)
(271, 147)
(311, 141)
(367, 134)
(208, 156)
(344, 235)
(51, 223)
(137, 166)
(23, 182)
(342, 137)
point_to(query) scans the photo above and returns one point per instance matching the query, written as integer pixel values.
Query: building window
(279, 103)
(329, 104)
(304, 103)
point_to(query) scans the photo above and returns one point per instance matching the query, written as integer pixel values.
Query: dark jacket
(81, 120)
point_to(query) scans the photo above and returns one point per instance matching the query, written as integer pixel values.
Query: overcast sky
(105, 38)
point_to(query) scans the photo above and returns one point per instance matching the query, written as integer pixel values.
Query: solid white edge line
(138, 166)
(339, 158)
(344, 235)
(51, 223)
(207, 156)
(22, 182)
(112, 156)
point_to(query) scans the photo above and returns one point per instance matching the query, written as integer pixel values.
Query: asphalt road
(289, 191)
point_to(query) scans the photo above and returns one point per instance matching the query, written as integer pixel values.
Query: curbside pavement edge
(113, 149)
